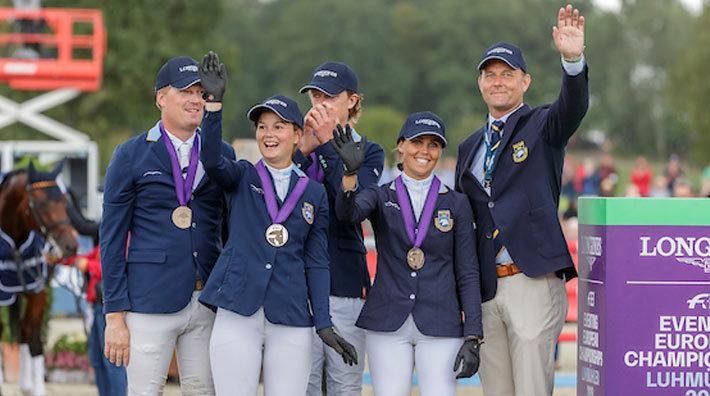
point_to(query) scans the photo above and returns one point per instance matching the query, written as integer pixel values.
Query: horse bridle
(45, 228)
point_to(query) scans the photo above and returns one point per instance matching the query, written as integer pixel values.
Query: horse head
(47, 204)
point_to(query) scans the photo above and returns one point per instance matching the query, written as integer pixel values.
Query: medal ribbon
(278, 216)
(183, 187)
(413, 231)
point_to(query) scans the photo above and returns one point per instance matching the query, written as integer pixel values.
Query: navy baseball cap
(179, 72)
(332, 78)
(284, 107)
(505, 52)
(423, 123)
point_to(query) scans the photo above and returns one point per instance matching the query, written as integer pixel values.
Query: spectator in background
(641, 176)
(608, 178)
(660, 187)
(110, 379)
(590, 179)
(704, 182)
(673, 172)
(568, 178)
(632, 191)
(682, 188)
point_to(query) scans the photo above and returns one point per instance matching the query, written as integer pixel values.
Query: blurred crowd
(590, 176)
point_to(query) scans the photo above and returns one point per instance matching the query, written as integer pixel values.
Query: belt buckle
(199, 285)
(505, 270)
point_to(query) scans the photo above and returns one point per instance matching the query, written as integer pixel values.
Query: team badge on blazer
(307, 212)
(443, 221)
(520, 152)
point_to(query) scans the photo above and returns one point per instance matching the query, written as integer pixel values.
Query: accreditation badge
(307, 212)
(443, 221)
(520, 152)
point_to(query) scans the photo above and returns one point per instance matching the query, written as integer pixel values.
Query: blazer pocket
(146, 256)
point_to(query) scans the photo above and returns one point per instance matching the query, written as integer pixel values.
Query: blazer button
(413, 274)
(412, 296)
(192, 197)
(194, 254)
(491, 204)
(194, 225)
(489, 235)
(268, 266)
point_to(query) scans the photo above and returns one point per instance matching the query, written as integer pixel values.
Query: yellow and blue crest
(520, 152)
(443, 221)
(307, 212)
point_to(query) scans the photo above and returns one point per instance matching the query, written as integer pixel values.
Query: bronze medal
(415, 258)
(182, 217)
(276, 235)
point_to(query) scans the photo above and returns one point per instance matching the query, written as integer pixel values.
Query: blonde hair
(356, 111)
(161, 91)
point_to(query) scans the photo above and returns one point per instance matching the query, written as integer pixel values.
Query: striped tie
(492, 143)
(491, 151)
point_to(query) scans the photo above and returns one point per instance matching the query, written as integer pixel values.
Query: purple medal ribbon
(183, 187)
(278, 216)
(315, 172)
(410, 226)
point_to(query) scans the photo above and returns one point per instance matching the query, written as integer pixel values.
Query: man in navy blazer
(336, 99)
(160, 237)
(511, 169)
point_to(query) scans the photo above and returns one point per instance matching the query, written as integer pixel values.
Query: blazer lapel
(508, 132)
(157, 145)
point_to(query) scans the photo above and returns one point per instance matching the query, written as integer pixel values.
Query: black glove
(213, 77)
(352, 154)
(344, 348)
(468, 358)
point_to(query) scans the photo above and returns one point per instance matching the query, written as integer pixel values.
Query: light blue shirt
(477, 169)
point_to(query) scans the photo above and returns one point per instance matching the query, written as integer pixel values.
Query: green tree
(141, 35)
(688, 89)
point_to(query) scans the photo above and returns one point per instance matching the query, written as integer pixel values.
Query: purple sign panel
(644, 325)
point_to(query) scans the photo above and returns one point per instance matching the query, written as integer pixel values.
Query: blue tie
(492, 143)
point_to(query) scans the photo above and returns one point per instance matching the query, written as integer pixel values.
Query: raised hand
(468, 358)
(338, 343)
(213, 77)
(569, 33)
(352, 153)
(322, 119)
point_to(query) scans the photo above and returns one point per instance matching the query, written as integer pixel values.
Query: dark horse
(33, 209)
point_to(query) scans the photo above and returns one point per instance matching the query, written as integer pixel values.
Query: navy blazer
(349, 276)
(157, 273)
(251, 273)
(525, 189)
(436, 294)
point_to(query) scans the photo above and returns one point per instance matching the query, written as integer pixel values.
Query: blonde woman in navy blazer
(413, 313)
(270, 286)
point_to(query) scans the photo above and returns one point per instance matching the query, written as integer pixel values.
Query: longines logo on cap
(276, 102)
(190, 68)
(498, 50)
(427, 121)
(687, 250)
(325, 73)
